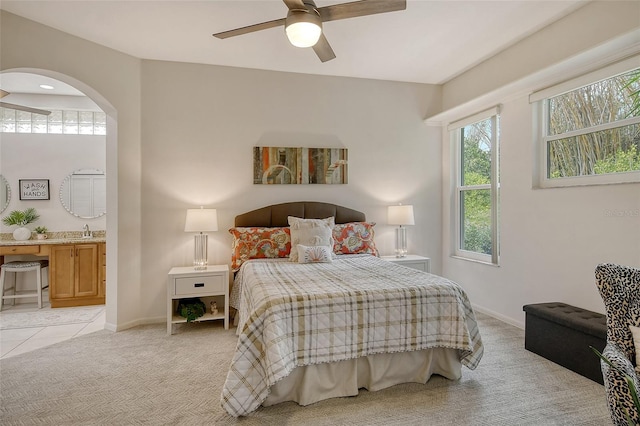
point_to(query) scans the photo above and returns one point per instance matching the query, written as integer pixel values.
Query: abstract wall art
(281, 165)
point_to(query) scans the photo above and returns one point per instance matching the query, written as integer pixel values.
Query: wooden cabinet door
(62, 271)
(102, 269)
(86, 270)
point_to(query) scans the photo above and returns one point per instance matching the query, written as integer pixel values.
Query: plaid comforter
(300, 314)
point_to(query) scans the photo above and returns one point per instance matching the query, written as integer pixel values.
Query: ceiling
(20, 82)
(430, 42)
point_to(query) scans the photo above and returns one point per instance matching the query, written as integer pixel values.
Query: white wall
(53, 157)
(588, 28)
(200, 124)
(551, 239)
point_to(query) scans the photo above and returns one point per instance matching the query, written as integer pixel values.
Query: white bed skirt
(313, 383)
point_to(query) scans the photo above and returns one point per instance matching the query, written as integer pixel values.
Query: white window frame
(541, 138)
(494, 187)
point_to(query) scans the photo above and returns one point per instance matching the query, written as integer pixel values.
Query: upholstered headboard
(276, 215)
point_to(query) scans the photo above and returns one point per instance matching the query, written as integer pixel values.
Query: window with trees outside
(591, 133)
(477, 182)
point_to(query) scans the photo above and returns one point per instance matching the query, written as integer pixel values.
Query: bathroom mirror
(5, 194)
(83, 193)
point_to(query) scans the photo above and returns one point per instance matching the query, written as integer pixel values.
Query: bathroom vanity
(77, 267)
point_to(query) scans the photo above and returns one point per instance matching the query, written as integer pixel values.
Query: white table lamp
(201, 220)
(401, 216)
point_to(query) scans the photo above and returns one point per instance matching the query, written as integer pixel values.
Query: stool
(22, 266)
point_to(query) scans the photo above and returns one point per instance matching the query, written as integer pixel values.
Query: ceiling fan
(4, 93)
(303, 24)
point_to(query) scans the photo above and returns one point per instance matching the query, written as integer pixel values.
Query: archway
(112, 181)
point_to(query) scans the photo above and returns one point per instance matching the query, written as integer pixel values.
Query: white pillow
(310, 232)
(315, 254)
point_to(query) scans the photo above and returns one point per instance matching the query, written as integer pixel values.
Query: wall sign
(34, 189)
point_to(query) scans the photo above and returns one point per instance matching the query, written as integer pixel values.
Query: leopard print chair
(619, 287)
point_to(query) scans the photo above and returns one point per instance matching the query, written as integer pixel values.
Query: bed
(318, 329)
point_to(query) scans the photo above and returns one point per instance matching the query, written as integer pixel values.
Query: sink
(74, 239)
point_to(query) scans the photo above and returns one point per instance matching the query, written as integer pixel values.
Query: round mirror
(5, 194)
(84, 193)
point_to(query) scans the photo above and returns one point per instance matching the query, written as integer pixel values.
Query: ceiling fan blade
(250, 29)
(24, 108)
(3, 93)
(294, 4)
(360, 8)
(323, 49)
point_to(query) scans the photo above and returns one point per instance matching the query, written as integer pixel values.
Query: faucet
(85, 231)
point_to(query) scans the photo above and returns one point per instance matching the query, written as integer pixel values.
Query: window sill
(609, 179)
(483, 262)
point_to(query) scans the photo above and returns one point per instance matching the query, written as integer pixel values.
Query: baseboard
(109, 327)
(498, 316)
(134, 323)
(155, 320)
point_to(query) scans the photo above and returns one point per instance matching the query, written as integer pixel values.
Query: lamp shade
(401, 215)
(201, 220)
(303, 28)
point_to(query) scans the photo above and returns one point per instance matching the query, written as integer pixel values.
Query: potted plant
(41, 232)
(21, 218)
(191, 308)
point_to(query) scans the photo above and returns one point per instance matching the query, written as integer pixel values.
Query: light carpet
(142, 376)
(45, 317)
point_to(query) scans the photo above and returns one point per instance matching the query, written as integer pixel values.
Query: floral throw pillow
(315, 254)
(309, 232)
(259, 243)
(354, 238)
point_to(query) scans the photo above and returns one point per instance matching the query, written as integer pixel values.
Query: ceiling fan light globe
(303, 34)
(303, 28)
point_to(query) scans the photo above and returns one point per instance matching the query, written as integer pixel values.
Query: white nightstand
(412, 261)
(207, 284)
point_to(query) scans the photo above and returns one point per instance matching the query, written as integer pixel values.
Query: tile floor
(17, 341)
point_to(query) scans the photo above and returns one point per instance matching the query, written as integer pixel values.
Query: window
(590, 134)
(59, 122)
(476, 186)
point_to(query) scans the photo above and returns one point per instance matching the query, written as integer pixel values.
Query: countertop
(48, 241)
(64, 237)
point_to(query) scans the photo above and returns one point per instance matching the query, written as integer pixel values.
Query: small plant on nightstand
(191, 308)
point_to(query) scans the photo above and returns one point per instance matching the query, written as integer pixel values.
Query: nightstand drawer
(420, 263)
(202, 284)
(421, 266)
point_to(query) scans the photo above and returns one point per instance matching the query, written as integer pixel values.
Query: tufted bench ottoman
(563, 333)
